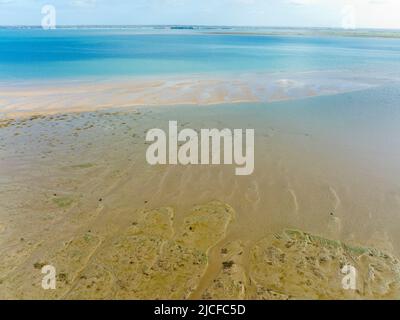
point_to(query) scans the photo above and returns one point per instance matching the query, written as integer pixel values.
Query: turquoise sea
(101, 52)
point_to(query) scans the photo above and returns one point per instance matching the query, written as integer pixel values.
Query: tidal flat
(77, 193)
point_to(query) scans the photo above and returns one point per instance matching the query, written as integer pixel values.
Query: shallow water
(316, 156)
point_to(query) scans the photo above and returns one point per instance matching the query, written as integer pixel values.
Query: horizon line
(197, 25)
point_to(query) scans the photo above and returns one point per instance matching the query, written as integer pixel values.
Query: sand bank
(76, 96)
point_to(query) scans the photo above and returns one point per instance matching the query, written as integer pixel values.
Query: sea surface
(34, 53)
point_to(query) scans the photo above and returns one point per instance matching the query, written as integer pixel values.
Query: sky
(291, 13)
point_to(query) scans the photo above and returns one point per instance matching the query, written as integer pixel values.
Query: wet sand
(25, 99)
(76, 192)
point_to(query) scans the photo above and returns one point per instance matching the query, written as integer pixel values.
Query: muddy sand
(76, 193)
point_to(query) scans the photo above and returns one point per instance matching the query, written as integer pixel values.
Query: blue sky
(307, 13)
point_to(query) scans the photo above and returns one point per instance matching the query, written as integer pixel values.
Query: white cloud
(368, 13)
(308, 13)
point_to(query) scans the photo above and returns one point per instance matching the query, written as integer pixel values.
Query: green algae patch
(63, 202)
(152, 260)
(358, 250)
(299, 265)
(295, 264)
(69, 258)
(309, 238)
(206, 225)
(83, 166)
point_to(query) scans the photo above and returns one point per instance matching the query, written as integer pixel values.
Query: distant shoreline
(233, 30)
